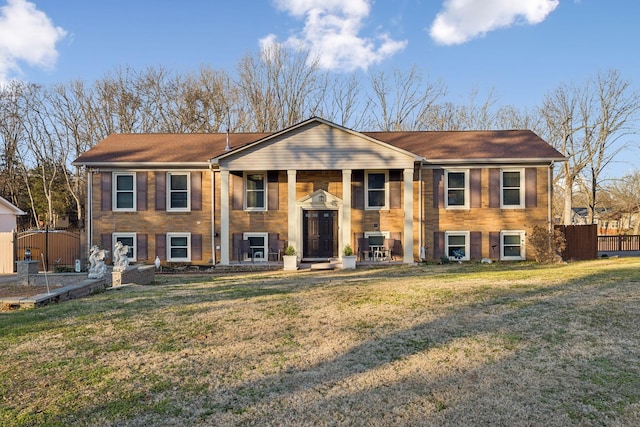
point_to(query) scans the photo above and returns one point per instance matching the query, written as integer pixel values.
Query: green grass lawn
(471, 344)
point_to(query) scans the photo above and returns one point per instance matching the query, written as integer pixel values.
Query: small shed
(8, 214)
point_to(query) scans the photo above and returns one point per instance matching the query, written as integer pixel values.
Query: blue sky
(520, 49)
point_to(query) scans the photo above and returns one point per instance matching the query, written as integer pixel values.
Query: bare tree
(561, 114)
(11, 135)
(279, 88)
(402, 101)
(608, 117)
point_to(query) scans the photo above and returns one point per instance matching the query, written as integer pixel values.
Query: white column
(346, 208)
(292, 211)
(408, 216)
(224, 218)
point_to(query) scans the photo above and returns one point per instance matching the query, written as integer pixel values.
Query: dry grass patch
(501, 344)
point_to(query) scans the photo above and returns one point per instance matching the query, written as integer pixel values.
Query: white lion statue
(97, 267)
(120, 258)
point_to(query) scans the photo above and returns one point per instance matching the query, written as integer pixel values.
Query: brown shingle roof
(471, 146)
(163, 148)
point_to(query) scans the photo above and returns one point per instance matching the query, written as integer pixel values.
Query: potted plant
(290, 258)
(348, 258)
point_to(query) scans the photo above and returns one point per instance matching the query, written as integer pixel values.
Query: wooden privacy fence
(620, 243)
(59, 248)
(582, 241)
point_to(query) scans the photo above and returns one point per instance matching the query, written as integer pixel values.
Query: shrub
(289, 250)
(547, 245)
(347, 251)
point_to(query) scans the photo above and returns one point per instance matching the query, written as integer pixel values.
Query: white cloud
(463, 20)
(332, 34)
(28, 36)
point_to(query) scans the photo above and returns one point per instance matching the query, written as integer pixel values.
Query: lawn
(471, 344)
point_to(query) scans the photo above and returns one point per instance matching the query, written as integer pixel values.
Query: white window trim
(188, 236)
(467, 243)
(522, 187)
(114, 191)
(386, 234)
(265, 248)
(169, 208)
(466, 189)
(523, 254)
(244, 189)
(134, 249)
(386, 189)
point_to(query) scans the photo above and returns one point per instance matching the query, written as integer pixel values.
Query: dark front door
(320, 234)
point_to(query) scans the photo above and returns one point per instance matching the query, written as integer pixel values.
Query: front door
(320, 234)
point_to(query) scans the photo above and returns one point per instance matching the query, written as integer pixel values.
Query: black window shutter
(161, 246)
(476, 245)
(161, 191)
(141, 247)
(196, 247)
(438, 244)
(357, 189)
(141, 189)
(531, 187)
(105, 239)
(236, 238)
(196, 191)
(237, 190)
(494, 188)
(475, 184)
(105, 191)
(273, 198)
(395, 189)
(438, 188)
(494, 243)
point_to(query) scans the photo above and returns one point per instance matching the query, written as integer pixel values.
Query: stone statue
(120, 258)
(97, 267)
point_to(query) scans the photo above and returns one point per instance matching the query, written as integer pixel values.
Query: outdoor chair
(363, 248)
(245, 248)
(388, 248)
(277, 249)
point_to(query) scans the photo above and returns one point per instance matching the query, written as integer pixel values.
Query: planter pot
(290, 262)
(349, 262)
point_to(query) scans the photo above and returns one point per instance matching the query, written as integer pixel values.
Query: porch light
(27, 255)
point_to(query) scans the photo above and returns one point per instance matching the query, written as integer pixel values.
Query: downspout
(213, 215)
(549, 196)
(89, 209)
(420, 230)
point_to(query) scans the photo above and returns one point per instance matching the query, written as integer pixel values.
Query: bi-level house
(225, 198)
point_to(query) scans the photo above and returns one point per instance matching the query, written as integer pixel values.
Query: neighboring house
(8, 215)
(195, 198)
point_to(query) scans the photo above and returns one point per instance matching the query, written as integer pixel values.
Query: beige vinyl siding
(318, 147)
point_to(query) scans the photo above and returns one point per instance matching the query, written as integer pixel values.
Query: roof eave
(493, 161)
(172, 165)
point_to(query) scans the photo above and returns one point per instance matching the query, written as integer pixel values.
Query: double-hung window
(512, 245)
(456, 188)
(377, 193)
(255, 186)
(457, 245)
(127, 239)
(124, 191)
(178, 191)
(512, 185)
(179, 247)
